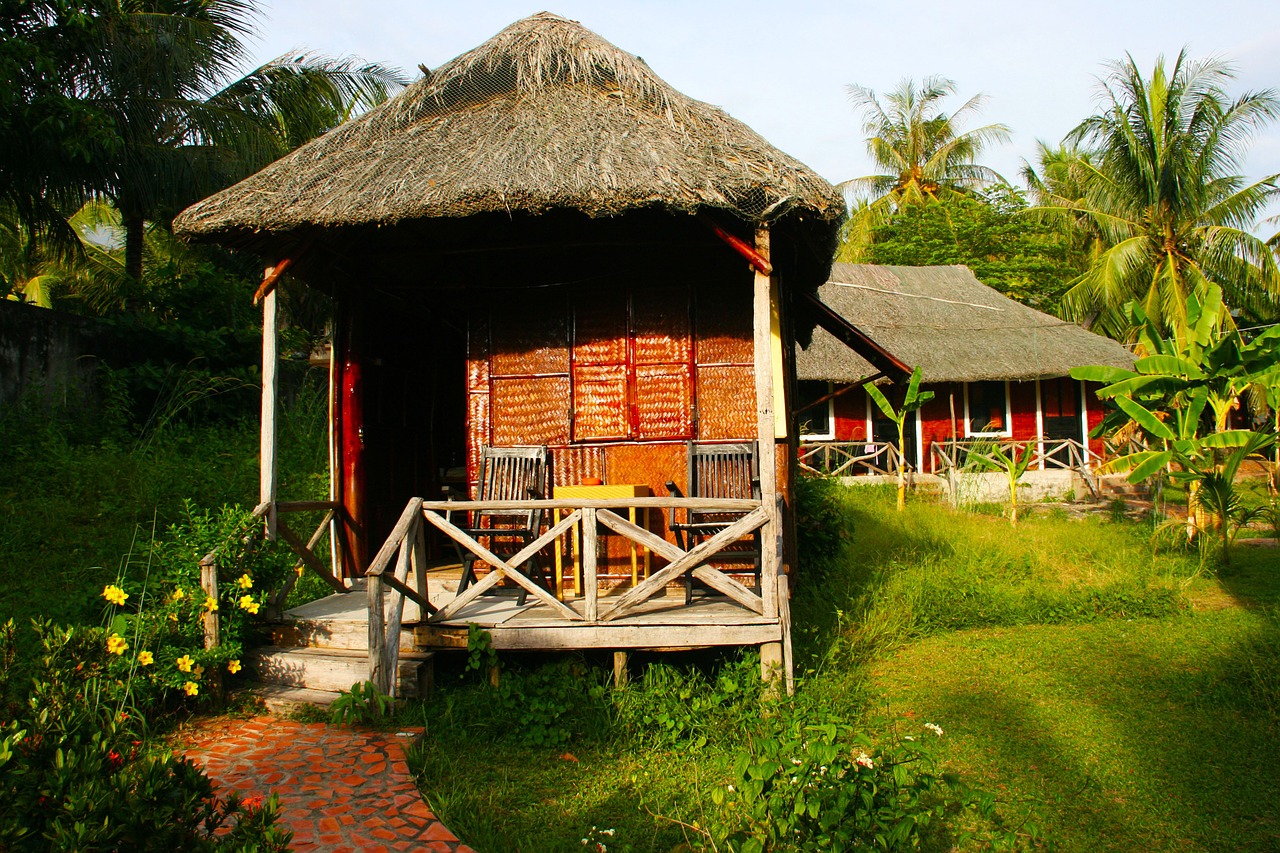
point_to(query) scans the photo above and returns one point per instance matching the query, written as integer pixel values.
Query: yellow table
(605, 492)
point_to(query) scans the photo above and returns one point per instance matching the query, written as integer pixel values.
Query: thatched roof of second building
(950, 324)
(546, 114)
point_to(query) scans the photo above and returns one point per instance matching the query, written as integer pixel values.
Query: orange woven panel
(726, 403)
(660, 323)
(572, 465)
(600, 402)
(600, 328)
(477, 431)
(724, 329)
(478, 354)
(529, 336)
(530, 410)
(651, 465)
(664, 401)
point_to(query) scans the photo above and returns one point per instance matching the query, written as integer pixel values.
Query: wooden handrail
(712, 504)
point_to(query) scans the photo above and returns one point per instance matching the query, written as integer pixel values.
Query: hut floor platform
(663, 622)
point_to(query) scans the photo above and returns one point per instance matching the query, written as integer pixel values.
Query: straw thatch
(544, 115)
(950, 324)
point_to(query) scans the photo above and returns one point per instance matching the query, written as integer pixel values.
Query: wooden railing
(1063, 454)
(850, 458)
(406, 541)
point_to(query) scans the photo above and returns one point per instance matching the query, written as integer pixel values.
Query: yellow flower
(245, 582)
(298, 570)
(114, 594)
(116, 644)
(185, 663)
(197, 670)
(247, 603)
(210, 603)
(179, 594)
(233, 666)
(173, 617)
(191, 688)
(145, 658)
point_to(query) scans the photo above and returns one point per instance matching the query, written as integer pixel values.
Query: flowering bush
(827, 787)
(76, 772)
(155, 610)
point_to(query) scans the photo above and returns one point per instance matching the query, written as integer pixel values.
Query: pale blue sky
(782, 67)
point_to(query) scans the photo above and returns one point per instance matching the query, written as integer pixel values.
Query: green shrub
(77, 773)
(672, 706)
(827, 787)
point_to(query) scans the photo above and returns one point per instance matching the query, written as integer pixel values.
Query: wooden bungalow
(542, 244)
(998, 370)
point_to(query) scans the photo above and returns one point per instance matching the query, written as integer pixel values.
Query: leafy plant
(482, 657)
(827, 787)
(77, 772)
(363, 705)
(996, 457)
(912, 400)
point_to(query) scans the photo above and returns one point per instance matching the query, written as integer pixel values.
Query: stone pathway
(340, 789)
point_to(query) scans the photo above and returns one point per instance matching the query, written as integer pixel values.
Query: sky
(782, 67)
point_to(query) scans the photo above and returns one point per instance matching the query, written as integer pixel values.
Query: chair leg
(468, 572)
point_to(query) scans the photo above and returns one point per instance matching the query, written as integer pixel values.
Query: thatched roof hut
(950, 324)
(544, 116)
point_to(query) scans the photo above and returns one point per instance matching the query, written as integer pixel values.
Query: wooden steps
(321, 648)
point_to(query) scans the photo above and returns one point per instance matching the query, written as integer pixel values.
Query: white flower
(796, 761)
(730, 788)
(864, 760)
(935, 728)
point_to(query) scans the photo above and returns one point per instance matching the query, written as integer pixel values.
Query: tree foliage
(1023, 257)
(923, 151)
(1154, 176)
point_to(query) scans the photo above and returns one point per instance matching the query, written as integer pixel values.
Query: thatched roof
(950, 324)
(546, 114)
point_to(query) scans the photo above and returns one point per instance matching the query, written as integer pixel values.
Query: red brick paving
(340, 788)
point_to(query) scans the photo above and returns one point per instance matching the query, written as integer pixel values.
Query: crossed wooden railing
(1067, 454)
(847, 458)
(406, 541)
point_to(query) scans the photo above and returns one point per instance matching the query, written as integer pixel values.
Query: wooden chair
(507, 474)
(719, 470)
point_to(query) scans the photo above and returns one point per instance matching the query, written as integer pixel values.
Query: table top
(608, 490)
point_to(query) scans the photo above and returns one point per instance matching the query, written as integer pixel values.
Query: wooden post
(267, 460)
(620, 677)
(589, 579)
(765, 428)
(212, 636)
(763, 322)
(378, 675)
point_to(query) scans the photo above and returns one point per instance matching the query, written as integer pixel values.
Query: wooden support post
(788, 652)
(378, 675)
(763, 320)
(620, 677)
(212, 635)
(589, 571)
(267, 460)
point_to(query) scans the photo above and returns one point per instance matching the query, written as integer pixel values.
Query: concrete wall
(46, 355)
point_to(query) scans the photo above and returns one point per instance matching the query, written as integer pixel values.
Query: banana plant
(911, 401)
(995, 457)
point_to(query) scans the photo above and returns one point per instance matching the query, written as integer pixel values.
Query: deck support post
(267, 438)
(620, 677)
(378, 674)
(590, 570)
(765, 320)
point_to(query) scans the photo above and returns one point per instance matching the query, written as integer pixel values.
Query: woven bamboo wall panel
(660, 324)
(726, 403)
(664, 401)
(477, 430)
(724, 328)
(478, 354)
(531, 410)
(571, 465)
(599, 402)
(646, 464)
(600, 328)
(529, 336)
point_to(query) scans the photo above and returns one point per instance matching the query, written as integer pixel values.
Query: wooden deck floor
(662, 622)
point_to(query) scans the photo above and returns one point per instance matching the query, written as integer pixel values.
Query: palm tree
(1160, 189)
(187, 126)
(925, 155)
